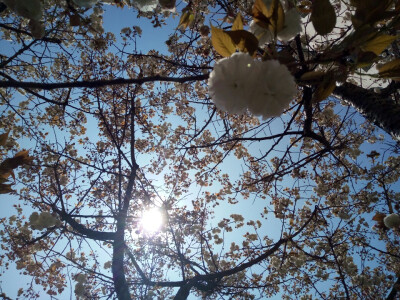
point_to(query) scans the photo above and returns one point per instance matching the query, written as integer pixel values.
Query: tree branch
(183, 292)
(92, 234)
(99, 83)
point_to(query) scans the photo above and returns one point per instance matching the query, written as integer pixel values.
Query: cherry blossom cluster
(239, 83)
(142, 5)
(80, 285)
(44, 220)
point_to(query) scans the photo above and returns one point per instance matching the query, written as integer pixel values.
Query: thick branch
(393, 292)
(89, 233)
(119, 247)
(120, 283)
(99, 83)
(379, 110)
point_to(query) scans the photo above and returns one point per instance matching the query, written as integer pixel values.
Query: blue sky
(154, 38)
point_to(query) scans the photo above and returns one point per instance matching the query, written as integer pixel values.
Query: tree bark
(120, 283)
(379, 109)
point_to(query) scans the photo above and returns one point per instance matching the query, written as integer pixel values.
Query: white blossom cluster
(291, 28)
(30, 9)
(392, 221)
(145, 5)
(80, 285)
(85, 3)
(239, 82)
(44, 220)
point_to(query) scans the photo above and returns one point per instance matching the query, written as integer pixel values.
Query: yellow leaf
(238, 23)
(23, 156)
(222, 42)
(378, 217)
(325, 88)
(370, 11)
(378, 43)
(4, 174)
(261, 14)
(260, 9)
(5, 188)
(358, 37)
(390, 70)
(323, 16)
(243, 40)
(365, 59)
(3, 138)
(313, 76)
(269, 17)
(19, 159)
(186, 19)
(277, 18)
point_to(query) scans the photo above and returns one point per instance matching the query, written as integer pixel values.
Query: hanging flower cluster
(44, 220)
(239, 82)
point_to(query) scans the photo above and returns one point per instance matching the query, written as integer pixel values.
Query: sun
(151, 220)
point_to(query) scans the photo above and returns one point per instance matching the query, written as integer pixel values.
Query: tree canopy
(253, 154)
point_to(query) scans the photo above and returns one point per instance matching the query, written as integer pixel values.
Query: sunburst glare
(151, 220)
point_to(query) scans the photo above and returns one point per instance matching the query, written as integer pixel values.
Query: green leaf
(222, 42)
(323, 16)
